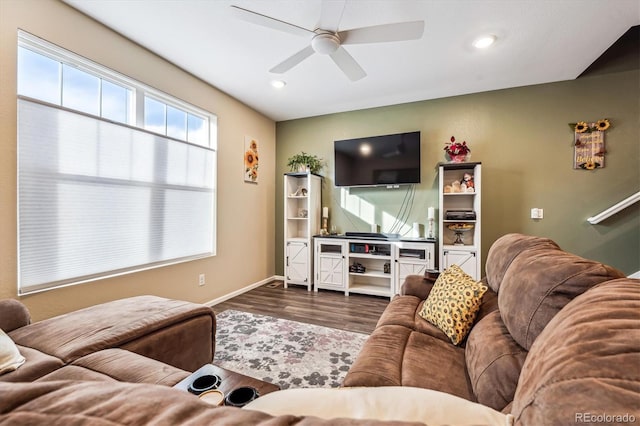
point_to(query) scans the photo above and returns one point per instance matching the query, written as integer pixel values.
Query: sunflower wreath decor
(588, 144)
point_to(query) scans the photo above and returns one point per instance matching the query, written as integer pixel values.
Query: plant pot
(460, 158)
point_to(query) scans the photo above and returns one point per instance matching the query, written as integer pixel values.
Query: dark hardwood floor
(358, 313)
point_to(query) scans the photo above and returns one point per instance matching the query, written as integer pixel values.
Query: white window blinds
(96, 198)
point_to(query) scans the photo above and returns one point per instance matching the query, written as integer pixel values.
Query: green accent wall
(523, 140)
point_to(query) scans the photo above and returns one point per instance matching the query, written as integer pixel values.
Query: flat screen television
(378, 160)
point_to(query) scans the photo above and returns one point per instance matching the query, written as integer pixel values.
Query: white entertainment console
(368, 265)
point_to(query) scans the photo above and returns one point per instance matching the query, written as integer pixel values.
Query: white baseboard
(636, 275)
(243, 290)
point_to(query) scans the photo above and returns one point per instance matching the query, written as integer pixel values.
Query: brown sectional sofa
(144, 339)
(556, 335)
(556, 342)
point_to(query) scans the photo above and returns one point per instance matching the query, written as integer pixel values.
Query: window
(101, 190)
(174, 122)
(56, 82)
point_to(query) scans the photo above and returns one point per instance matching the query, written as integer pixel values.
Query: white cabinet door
(412, 259)
(409, 268)
(297, 262)
(331, 272)
(466, 260)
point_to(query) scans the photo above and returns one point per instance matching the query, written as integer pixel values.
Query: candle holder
(324, 230)
(430, 234)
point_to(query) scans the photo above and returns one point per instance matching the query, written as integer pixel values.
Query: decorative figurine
(466, 183)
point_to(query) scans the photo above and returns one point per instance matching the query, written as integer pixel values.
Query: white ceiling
(539, 41)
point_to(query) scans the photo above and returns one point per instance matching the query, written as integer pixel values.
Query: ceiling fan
(327, 40)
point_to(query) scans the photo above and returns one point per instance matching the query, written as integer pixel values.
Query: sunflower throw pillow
(453, 303)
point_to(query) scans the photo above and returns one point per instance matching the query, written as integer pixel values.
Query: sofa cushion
(405, 311)
(127, 366)
(453, 303)
(390, 403)
(73, 372)
(37, 364)
(395, 355)
(494, 361)
(436, 364)
(586, 361)
(10, 357)
(504, 250)
(539, 282)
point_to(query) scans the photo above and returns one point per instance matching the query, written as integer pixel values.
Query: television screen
(378, 160)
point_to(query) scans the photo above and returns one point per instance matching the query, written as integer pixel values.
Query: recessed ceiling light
(484, 41)
(278, 84)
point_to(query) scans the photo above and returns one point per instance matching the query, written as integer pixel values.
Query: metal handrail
(633, 198)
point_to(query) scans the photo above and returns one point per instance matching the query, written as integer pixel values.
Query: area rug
(288, 353)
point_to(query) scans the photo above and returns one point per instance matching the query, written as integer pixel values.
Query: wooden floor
(358, 313)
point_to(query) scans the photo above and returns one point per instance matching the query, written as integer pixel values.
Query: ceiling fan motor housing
(325, 43)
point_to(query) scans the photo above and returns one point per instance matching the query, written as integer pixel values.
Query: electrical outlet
(201, 280)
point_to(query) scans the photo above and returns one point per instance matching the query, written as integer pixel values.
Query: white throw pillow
(399, 403)
(10, 358)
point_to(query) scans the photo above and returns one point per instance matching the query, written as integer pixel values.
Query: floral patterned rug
(288, 353)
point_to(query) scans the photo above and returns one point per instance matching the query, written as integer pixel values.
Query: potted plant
(304, 162)
(457, 151)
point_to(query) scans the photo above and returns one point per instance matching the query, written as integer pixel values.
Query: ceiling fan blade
(292, 61)
(347, 64)
(331, 14)
(266, 21)
(400, 31)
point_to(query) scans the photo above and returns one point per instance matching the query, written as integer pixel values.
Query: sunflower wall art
(250, 159)
(588, 144)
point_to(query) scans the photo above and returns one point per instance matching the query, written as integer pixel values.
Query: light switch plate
(537, 213)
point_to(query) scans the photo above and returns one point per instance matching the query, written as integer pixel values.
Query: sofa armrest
(416, 285)
(174, 332)
(13, 315)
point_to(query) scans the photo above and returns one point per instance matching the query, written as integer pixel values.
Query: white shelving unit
(462, 248)
(386, 264)
(379, 268)
(302, 210)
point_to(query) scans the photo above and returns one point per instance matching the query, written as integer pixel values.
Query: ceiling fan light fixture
(484, 41)
(325, 43)
(278, 84)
